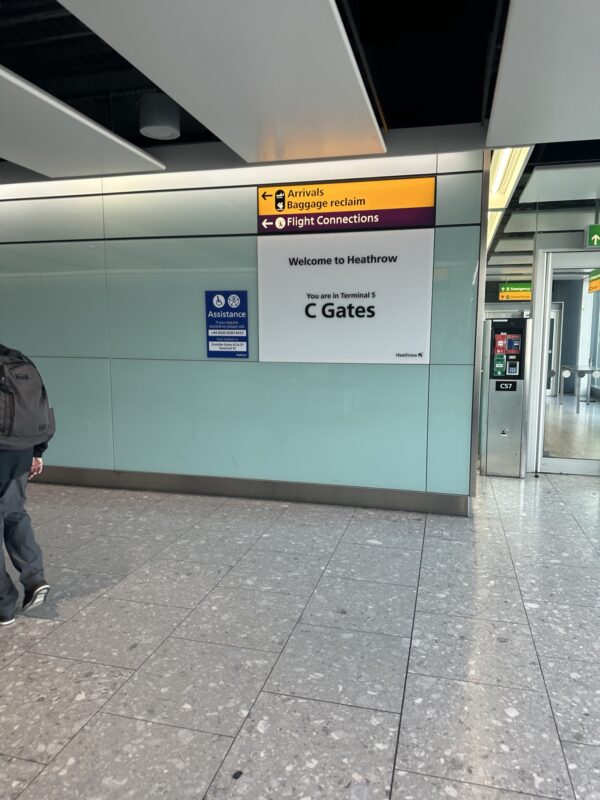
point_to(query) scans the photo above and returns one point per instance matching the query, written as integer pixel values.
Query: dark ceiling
(423, 64)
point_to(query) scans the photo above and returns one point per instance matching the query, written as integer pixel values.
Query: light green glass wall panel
(184, 213)
(156, 293)
(54, 298)
(449, 439)
(51, 219)
(454, 302)
(79, 390)
(458, 199)
(467, 161)
(362, 425)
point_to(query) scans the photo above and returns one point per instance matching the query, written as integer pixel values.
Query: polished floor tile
(196, 685)
(565, 631)
(314, 540)
(290, 573)
(317, 514)
(293, 748)
(187, 504)
(410, 786)
(113, 632)
(170, 616)
(44, 701)
(477, 650)
(169, 583)
(498, 737)
(470, 594)
(479, 556)
(390, 531)
(583, 762)
(15, 775)
(560, 583)
(379, 564)
(553, 548)
(208, 547)
(574, 689)
(113, 757)
(22, 636)
(111, 554)
(72, 590)
(349, 667)
(459, 529)
(243, 617)
(363, 606)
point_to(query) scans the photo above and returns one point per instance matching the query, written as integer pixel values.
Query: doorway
(564, 413)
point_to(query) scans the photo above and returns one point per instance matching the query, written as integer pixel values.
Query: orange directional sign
(595, 281)
(346, 206)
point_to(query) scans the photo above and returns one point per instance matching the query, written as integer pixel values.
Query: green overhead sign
(515, 291)
(592, 238)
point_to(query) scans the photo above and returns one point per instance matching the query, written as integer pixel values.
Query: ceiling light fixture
(505, 171)
(159, 117)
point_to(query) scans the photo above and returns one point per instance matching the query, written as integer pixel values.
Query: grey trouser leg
(20, 543)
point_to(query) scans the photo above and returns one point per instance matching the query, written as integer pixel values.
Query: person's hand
(37, 467)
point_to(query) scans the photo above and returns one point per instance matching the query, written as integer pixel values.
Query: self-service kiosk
(504, 395)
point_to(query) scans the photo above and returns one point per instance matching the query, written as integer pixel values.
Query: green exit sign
(592, 238)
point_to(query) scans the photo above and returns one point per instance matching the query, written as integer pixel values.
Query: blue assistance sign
(226, 324)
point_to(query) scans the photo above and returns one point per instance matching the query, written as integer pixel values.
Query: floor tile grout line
(408, 657)
(276, 661)
(166, 724)
(224, 644)
(542, 674)
(20, 758)
(356, 630)
(474, 617)
(492, 787)
(338, 704)
(453, 679)
(582, 744)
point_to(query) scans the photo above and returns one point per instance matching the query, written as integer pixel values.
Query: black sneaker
(4, 621)
(35, 596)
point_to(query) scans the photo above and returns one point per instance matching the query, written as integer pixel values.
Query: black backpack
(26, 418)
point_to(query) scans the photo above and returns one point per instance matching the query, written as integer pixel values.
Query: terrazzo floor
(204, 647)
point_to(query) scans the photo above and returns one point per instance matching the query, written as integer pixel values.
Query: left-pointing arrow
(264, 195)
(266, 223)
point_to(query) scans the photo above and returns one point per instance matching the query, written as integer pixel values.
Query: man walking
(26, 425)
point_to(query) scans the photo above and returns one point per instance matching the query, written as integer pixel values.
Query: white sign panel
(347, 298)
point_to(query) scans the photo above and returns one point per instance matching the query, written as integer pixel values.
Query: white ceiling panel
(507, 273)
(547, 83)
(548, 184)
(525, 222)
(502, 259)
(39, 132)
(514, 245)
(274, 80)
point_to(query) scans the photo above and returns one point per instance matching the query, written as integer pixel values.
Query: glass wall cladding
(79, 390)
(191, 212)
(156, 293)
(357, 425)
(449, 436)
(458, 199)
(51, 219)
(54, 298)
(454, 304)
